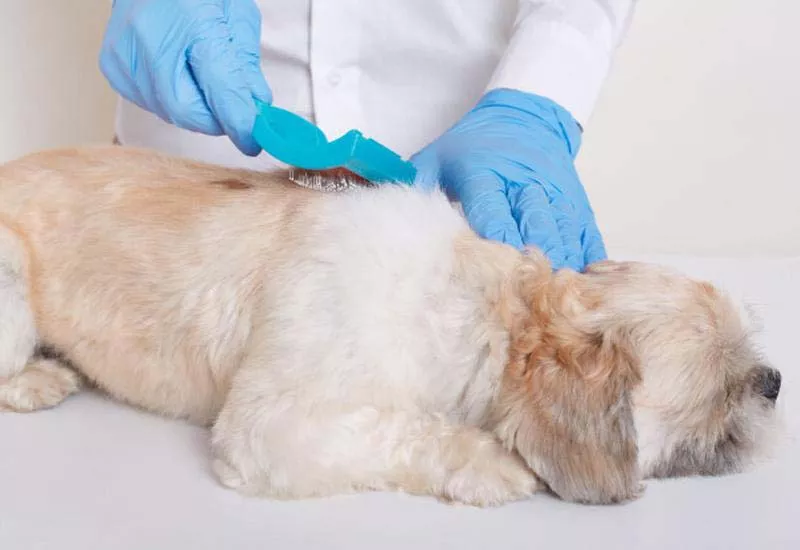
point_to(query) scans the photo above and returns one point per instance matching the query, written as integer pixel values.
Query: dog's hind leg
(27, 383)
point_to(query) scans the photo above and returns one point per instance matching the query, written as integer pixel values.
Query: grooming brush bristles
(327, 181)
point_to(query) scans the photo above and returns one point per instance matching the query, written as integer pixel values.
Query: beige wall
(692, 148)
(52, 93)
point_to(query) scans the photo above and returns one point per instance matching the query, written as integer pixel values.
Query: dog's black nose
(768, 382)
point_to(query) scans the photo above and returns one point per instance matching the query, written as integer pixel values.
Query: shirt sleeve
(562, 50)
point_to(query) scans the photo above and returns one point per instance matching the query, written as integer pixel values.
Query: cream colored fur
(335, 343)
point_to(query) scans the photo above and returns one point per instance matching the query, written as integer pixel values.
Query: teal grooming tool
(295, 141)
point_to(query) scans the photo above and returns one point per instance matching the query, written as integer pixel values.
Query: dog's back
(149, 273)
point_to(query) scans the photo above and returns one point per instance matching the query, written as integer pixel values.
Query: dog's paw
(254, 485)
(491, 479)
(227, 474)
(42, 384)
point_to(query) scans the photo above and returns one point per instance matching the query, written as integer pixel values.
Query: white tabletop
(94, 474)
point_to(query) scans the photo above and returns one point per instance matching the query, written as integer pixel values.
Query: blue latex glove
(194, 63)
(510, 163)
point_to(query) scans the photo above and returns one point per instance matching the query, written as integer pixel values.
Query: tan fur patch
(565, 397)
(232, 184)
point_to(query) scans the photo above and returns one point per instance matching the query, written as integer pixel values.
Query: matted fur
(366, 340)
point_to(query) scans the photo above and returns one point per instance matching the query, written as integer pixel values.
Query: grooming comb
(335, 180)
(301, 144)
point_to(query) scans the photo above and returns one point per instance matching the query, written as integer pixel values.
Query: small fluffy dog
(365, 340)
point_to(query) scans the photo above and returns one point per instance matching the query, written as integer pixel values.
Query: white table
(94, 474)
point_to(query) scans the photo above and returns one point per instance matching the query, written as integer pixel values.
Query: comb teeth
(328, 181)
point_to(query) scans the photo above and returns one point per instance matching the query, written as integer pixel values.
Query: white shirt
(403, 71)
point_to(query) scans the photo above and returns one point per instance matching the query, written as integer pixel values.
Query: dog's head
(625, 372)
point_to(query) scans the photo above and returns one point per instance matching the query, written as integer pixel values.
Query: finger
(183, 103)
(537, 224)
(221, 76)
(177, 102)
(116, 59)
(163, 78)
(256, 83)
(111, 65)
(593, 247)
(224, 73)
(483, 198)
(569, 227)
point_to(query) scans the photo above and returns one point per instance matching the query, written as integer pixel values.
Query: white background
(691, 150)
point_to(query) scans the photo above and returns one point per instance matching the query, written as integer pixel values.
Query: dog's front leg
(27, 383)
(454, 462)
(274, 444)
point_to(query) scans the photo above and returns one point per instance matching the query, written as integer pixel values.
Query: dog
(364, 340)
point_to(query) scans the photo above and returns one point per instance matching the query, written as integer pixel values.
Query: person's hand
(510, 163)
(194, 63)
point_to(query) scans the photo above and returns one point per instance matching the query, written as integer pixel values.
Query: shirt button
(334, 78)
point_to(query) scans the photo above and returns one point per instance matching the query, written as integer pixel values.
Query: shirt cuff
(558, 62)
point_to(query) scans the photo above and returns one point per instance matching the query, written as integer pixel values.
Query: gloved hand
(510, 162)
(194, 63)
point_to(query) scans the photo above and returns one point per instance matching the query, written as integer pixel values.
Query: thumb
(486, 206)
(258, 84)
(428, 170)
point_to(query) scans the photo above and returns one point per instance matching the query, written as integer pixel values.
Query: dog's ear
(565, 399)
